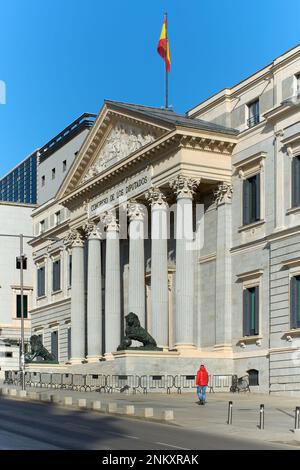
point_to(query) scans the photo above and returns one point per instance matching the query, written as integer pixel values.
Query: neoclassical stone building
(190, 221)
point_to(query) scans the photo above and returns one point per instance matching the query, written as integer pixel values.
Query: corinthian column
(77, 299)
(136, 294)
(159, 267)
(184, 287)
(112, 284)
(94, 294)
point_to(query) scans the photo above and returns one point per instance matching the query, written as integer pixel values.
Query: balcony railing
(253, 120)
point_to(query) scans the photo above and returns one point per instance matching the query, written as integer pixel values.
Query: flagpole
(166, 63)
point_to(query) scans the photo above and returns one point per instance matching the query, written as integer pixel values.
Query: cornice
(179, 138)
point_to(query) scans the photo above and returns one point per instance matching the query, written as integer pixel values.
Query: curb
(109, 408)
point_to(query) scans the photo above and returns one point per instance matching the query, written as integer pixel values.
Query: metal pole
(229, 419)
(22, 314)
(297, 413)
(166, 61)
(262, 417)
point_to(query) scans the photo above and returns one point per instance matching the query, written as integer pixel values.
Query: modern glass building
(19, 185)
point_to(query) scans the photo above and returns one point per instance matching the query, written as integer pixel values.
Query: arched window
(253, 377)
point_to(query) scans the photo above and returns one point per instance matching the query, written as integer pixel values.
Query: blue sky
(59, 58)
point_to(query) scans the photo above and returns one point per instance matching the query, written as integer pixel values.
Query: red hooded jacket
(202, 377)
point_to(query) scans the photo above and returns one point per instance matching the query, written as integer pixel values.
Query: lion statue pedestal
(135, 332)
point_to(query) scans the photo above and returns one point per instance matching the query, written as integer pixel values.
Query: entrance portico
(140, 177)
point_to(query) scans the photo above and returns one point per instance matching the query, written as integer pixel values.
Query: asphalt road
(34, 426)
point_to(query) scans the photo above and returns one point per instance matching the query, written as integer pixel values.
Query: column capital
(74, 238)
(92, 231)
(109, 219)
(156, 198)
(223, 193)
(135, 211)
(184, 186)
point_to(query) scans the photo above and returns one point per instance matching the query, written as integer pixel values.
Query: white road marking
(170, 445)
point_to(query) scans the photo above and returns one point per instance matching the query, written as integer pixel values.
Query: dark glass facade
(20, 184)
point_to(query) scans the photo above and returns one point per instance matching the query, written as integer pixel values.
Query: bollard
(167, 415)
(262, 417)
(111, 407)
(297, 413)
(96, 405)
(129, 409)
(148, 413)
(229, 419)
(68, 401)
(81, 403)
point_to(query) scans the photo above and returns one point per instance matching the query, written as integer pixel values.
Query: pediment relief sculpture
(121, 142)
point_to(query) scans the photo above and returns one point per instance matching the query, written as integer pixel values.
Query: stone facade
(15, 219)
(187, 284)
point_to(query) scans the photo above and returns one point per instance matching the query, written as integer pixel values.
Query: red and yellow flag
(163, 47)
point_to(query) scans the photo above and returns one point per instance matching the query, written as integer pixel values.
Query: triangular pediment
(122, 140)
(115, 136)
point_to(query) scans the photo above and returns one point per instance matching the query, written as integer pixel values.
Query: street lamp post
(22, 352)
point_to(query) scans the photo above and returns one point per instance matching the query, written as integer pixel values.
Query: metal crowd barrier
(122, 383)
(112, 383)
(220, 383)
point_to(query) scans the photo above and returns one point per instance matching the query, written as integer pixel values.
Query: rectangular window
(295, 302)
(56, 275)
(253, 113)
(57, 218)
(70, 271)
(64, 163)
(69, 343)
(53, 173)
(251, 199)
(42, 226)
(296, 181)
(251, 312)
(18, 306)
(298, 85)
(41, 281)
(54, 344)
(43, 180)
(18, 263)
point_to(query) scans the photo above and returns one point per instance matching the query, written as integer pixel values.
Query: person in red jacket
(202, 382)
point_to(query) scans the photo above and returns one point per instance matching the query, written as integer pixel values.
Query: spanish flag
(163, 47)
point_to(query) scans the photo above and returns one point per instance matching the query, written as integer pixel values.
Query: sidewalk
(211, 418)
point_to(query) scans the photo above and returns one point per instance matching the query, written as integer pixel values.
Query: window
(57, 218)
(43, 180)
(42, 226)
(251, 199)
(296, 181)
(69, 343)
(54, 344)
(18, 306)
(64, 164)
(41, 281)
(18, 263)
(53, 173)
(8, 354)
(295, 302)
(298, 85)
(251, 311)
(56, 275)
(253, 377)
(70, 271)
(253, 113)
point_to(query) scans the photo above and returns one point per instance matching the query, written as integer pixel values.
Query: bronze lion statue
(38, 351)
(134, 331)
